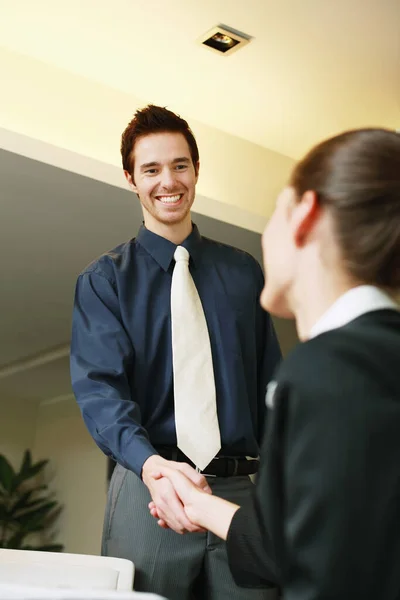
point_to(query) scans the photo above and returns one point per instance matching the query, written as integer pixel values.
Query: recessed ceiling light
(224, 40)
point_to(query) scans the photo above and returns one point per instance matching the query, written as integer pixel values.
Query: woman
(325, 519)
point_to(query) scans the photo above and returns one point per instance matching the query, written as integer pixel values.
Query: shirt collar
(354, 303)
(162, 250)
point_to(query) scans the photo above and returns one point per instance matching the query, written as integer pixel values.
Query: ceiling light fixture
(224, 40)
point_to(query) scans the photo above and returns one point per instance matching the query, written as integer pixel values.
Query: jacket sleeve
(251, 542)
(249, 547)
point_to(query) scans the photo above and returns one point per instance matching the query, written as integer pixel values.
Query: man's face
(164, 178)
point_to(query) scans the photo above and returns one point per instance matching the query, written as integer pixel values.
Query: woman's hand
(205, 511)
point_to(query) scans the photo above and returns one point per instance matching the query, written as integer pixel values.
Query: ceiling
(312, 69)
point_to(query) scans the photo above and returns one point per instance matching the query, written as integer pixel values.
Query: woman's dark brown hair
(357, 176)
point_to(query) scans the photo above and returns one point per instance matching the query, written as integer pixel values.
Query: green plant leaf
(26, 461)
(16, 540)
(25, 507)
(28, 507)
(22, 501)
(53, 516)
(7, 474)
(28, 473)
(34, 528)
(36, 516)
(35, 469)
(4, 513)
(45, 548)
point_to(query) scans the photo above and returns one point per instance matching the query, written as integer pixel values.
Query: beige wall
(87, 118)
(17, 428)
(77, 468)
(77, 474)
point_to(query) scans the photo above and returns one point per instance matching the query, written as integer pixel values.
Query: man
(171, 354)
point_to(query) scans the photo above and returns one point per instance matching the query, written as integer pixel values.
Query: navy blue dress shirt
(121, 352)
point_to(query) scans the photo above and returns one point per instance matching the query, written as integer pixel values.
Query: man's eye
(151, 171)
(181, 167)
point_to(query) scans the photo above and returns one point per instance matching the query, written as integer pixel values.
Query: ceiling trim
(57, 399)
(112, 175)
(32, 362)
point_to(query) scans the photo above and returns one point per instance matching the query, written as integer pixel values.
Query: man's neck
(175, 233)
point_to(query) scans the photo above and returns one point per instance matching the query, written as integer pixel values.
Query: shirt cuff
(136, 454)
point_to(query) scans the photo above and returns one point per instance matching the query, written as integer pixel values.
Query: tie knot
(181, 254)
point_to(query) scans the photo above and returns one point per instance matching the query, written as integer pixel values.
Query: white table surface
(21, 592)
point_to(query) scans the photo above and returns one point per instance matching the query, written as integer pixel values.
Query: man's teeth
(169, 199)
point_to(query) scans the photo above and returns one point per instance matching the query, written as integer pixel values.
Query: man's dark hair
(155, 119)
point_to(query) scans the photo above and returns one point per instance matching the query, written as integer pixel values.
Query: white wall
(77, 474)
(17, 428)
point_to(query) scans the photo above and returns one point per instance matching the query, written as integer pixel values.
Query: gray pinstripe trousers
(188, 567)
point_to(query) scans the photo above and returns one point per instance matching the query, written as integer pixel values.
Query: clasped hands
(174, 488)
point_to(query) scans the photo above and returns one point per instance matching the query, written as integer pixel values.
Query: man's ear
(130, 181)
(197, 169)
(305, 216)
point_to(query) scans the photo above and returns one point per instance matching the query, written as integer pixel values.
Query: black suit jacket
(325, 520)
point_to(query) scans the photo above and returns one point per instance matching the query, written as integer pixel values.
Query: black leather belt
(224, 466)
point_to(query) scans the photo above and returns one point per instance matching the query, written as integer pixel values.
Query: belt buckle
(198, 470)
(235, 466)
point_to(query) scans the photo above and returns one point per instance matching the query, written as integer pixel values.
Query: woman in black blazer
(324, 522)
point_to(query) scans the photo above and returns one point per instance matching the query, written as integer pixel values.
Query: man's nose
(167, 179)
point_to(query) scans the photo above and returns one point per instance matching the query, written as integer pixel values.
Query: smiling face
(164, 178)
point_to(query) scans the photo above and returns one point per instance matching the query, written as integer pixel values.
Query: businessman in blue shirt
(122, 368)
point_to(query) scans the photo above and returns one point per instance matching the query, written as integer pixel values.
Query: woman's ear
(304, 216)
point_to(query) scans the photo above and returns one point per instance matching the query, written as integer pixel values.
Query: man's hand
(206, 511)
(185, 489)
(167, 506)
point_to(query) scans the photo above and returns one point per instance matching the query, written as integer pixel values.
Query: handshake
(177, 493)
